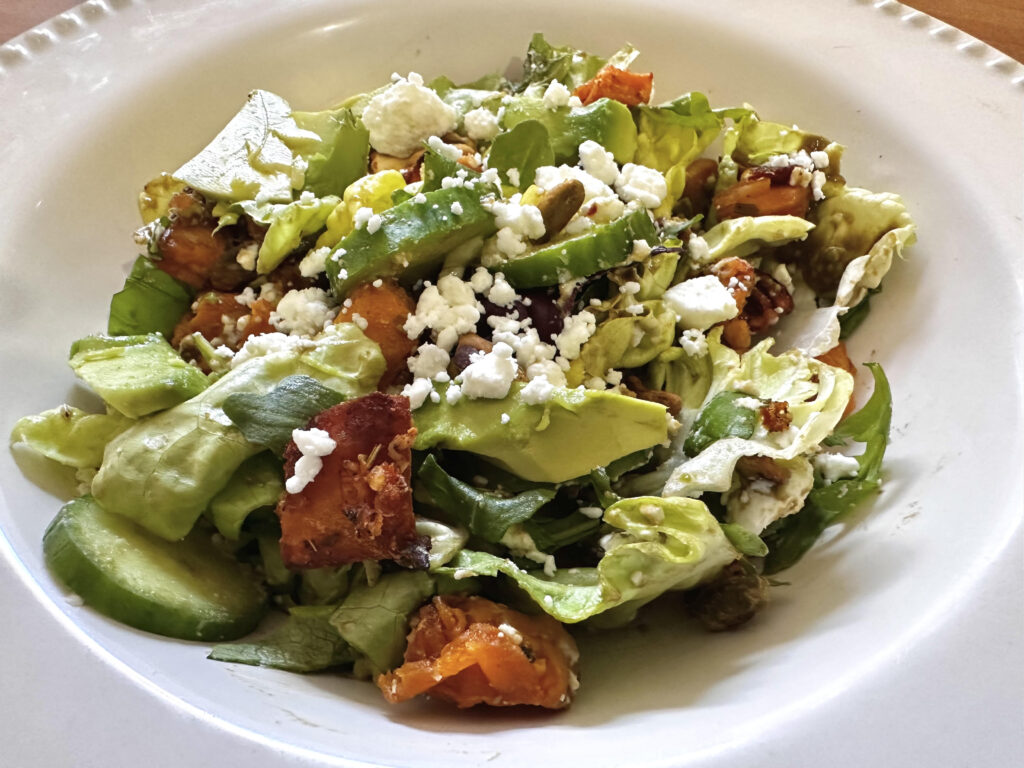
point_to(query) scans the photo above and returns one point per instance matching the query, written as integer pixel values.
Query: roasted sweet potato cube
(470, 650)
(631, 88)
(359, 505)
(757, 197)
(384, 309)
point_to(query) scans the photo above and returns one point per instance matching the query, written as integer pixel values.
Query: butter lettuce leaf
(630, 341)
(256, 484)
(569, 66)
(827, 504)
(254, 156)
(525, 147)
(69, 435)
(661, 544)
(163, 471)
(817, 394)
(287, 224)
(305, 642)
(746, 235)
(374, 620)
(341, 156)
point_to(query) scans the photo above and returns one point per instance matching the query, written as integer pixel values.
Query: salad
(416, 387)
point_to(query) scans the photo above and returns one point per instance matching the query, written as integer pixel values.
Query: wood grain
(1000, 23)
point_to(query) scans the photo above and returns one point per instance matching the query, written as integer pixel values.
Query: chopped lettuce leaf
(748, 234)
(569, 66)
(151, 302)
(722, 416)
(609, 123)
(374, 620)
(305, 642)
(630, 341)
(755, 509)
(257, 483)
(253, 157)
(525, 148)
(163, 471)
(486, 514)
(287, 224)
(662, 544)
(69, 435)
(342, 154)
(445, 540)
(269, 419)
(826, 504)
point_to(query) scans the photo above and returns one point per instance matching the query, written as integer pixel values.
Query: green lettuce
(164, 470)
(445, 540)
(609, 123)
(305, 642)
(486, 514)
(374, 620)
(254, 157)
(151, 302)
(746, 235)
(525, 147)
(827, 504)
(661, 544)
(268, 419)
(754, 509)
(287, 224)
(816, 393)
(630, 341)
(569, 66)
(673, 135)
(257, 483)
(69, 435)
(340, 157)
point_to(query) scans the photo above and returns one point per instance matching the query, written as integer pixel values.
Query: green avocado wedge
(188, 589)
(603, 247)
(562, 439)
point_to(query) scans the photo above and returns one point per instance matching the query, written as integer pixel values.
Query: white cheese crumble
(303, 312)
(556, 95)
(246, 256)
(537, 390)
(501, 293)
(700, 302)
(447, 151)
(457, 208)
(429, 362)
(267, 344)
(402, 116)
(449, 309)
(645, 185)
(835, 466)
(313, 444)
(417, 392)
(594, 513)
(694, 343)
(576, 331)
(598, 162)
(314, 262)
(481, 124)
(489, 374)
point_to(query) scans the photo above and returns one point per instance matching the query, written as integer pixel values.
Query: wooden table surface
(1000, 23)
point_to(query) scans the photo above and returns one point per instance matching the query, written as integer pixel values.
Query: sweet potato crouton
(384, 308)
(216, 315)
(359, 506)
(631, 88)
(469, 650)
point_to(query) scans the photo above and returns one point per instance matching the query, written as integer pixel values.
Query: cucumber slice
(187, 589)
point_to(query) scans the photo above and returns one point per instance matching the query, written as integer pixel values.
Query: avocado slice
(574, 432)
(136, 375)
(603, 247)
(608, 122)
(412, 239)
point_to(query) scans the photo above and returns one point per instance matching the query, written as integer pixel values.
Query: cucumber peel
(188, 589)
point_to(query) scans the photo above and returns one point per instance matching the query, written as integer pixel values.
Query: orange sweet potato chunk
(211, 311)
(631, 88)
(385, 309)
(470, 650)
(359, 506)
(757, 197)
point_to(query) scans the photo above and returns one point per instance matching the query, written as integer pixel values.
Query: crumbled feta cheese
(303, 312)
(449, 309)
(417, 392)
(536, 391)
(630, 287)
(419, 198)
(694, 342)
(246, 297)
(799, 177)
(513, 176)
(598, 162)
(641, 250)
(820, 158)
(511, 633)
(481, 124)
(246, 256)
(645, 185)
(402, 116)
(361, 217)
(522, 219)
(457, 208)
(490, 374)
(597, 195)
(817, 185)
(428, 361)
(700, 302)
(556, 95)
(835, 466)
(314, 262)
(447, 151)
(360, 321)
(594, 513)
(698, 248)
(481, 280)
(267, 344)
(547, 369)
(501, 293)
(373, 223)
(505, 418)
(313, 444)
(576, 331)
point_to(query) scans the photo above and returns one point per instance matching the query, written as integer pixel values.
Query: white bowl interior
(859, 598)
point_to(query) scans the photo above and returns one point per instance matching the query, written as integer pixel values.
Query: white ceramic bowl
(893, 643)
